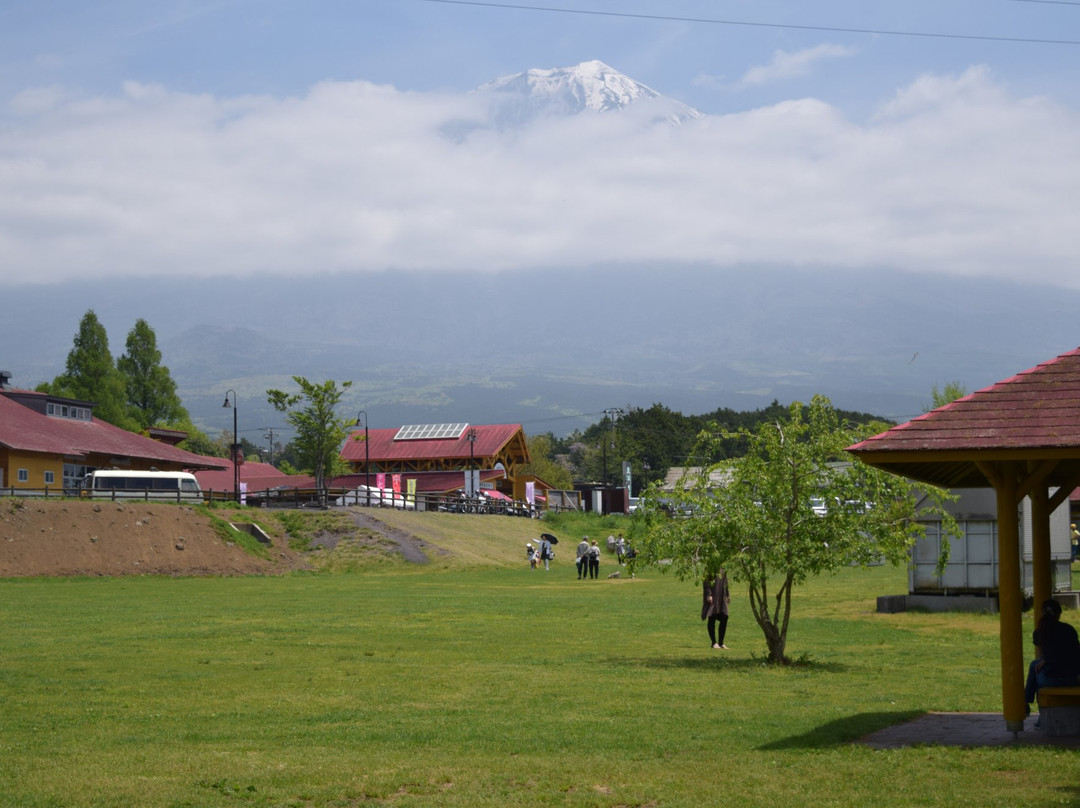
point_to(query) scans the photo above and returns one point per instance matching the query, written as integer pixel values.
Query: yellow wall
(36, 465)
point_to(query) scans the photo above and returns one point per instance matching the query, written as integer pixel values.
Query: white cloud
(785, 65)
(953, 175)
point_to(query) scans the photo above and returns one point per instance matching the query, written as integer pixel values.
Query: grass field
(487, 685)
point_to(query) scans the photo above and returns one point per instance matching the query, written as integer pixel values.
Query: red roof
(1037, 408)
(26, 430)
(382, 448)
(258, 476)
(1032, 415)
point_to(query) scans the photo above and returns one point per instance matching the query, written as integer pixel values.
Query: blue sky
(243, 137)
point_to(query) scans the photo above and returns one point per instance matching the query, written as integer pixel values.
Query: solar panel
(430, 431)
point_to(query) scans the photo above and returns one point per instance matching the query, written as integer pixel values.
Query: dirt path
(414, 550)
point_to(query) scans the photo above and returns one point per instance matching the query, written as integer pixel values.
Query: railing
(295, 498)
(104, 494)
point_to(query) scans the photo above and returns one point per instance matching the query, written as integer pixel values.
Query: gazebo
(1021, 437)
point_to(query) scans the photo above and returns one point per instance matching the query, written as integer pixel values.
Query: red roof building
(441, 448)
(47, 441)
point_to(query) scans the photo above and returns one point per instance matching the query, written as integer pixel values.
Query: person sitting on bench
(1057, 653)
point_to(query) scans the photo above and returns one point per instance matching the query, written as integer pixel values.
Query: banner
(395, 483)
(380, 480)
(410, 487)
(530, 492)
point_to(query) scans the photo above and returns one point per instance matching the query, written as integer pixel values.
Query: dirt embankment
(65, 537)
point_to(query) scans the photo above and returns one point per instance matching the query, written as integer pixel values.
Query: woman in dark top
(1057, 653)
(715, 598)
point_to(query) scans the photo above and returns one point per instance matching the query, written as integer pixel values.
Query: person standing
(715, 599)
(631, 559)
(583, 557)
(545, 553)
(530, 553)
(1074, 537)
(594, 560)
(620, 550)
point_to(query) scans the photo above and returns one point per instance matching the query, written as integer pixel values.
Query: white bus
(175, 486)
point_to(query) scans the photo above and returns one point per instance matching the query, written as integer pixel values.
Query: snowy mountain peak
(588, 87)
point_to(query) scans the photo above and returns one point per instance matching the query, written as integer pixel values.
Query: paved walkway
(962, 729)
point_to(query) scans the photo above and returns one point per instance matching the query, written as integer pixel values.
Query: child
(530, 552)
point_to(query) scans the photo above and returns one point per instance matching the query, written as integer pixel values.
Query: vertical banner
(243, 493)
(380, 480)
(395, 483)
(410, 487)
(530, 492)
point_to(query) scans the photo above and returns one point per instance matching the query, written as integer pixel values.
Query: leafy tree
(150, 390)
(319, 431)
(949, 394)
(91, 375)
(760, 523)
(544, 465)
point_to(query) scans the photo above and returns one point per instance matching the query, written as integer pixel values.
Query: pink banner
(396, 478)
(380, 480)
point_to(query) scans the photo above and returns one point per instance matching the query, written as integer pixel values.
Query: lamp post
(235, 445)
(367, 457)
(471, 438)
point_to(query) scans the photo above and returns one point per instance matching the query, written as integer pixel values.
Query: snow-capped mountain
(587, 87)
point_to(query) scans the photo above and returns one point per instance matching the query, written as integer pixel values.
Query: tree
(91, 375)
(951, 392)
(319, 432)
(149, 387)
(761, 524)
(544, 465)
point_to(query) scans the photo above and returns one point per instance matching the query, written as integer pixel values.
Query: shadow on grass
(842, 731)
(734, 664)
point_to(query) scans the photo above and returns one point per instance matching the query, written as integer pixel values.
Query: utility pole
(612, 413)
(268, 433)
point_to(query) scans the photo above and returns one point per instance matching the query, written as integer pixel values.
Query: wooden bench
(1059, 710)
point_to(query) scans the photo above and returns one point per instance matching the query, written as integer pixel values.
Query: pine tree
(91, 375)
(150, 392)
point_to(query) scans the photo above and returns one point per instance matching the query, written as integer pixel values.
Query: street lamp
(470, 436)
(367, 456)
(235, 444)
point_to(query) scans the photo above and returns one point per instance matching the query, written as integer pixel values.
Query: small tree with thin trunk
(319, 431)
(789, 509)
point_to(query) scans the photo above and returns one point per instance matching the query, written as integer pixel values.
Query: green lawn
(485, 687)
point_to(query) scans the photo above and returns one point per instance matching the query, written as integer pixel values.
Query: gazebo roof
(1033, 416)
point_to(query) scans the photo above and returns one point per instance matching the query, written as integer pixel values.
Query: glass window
(24, 475)
(50, 478)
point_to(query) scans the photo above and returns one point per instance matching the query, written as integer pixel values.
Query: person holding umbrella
(546, 553)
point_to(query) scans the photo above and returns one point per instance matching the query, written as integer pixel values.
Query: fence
(304, 498)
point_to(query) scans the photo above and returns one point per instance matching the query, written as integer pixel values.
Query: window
(65, 411)
(24, 475)
(50, 478)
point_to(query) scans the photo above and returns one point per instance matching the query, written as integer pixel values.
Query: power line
(751, 24)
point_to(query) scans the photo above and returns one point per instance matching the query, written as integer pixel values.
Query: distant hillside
(553, 349)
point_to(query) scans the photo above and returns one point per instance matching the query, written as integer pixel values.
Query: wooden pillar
(1010, 603)
(1041, 566)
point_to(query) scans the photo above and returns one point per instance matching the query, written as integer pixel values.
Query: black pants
(717, 622)
(594, 567)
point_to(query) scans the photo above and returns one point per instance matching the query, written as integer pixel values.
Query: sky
(207, 138)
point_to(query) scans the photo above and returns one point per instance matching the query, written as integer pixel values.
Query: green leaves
(792, 507)
(319, 432)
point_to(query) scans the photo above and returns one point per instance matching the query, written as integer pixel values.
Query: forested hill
(655, 439)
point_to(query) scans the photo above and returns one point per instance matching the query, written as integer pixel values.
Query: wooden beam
(1010, 602)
